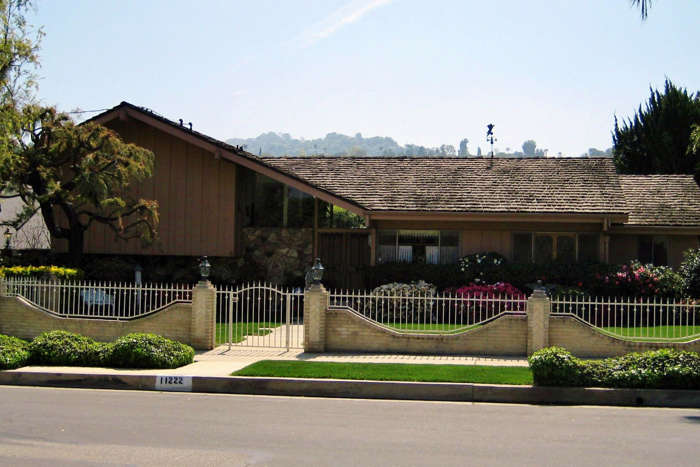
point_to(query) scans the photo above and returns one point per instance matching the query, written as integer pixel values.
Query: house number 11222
(173, 383)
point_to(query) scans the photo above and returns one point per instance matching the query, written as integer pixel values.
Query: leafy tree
(447, 150)
(76, 175)
(529, 147)
(19, 45)
(694, 146)
(657, 139)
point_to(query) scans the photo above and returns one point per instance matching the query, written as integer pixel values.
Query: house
(219, 200)
(31, 235)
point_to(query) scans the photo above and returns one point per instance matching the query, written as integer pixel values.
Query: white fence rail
(260, 315)
(428, 312)
(638, 318)
(103, 300)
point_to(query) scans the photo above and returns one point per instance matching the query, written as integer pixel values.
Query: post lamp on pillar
(204, 269)
(317, 272)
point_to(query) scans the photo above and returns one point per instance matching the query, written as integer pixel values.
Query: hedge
(659, 369)
(149, 351)
(13, 352)
(131, 351)
(67, 349)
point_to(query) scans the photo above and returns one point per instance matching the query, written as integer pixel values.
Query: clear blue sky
(422, 72)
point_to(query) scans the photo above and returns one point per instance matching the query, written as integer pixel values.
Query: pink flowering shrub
(492, 298)
(638, 280)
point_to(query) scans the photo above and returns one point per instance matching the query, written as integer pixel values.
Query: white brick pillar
(316, 301)
(538, 307)
(203, 316)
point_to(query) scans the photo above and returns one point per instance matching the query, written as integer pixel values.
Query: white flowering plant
(480, 267)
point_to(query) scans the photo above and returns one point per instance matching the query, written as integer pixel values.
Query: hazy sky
(423, 72)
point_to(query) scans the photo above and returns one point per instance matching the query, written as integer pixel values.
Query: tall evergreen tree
(657, 139)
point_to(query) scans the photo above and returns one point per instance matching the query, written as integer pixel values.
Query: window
(588, 248)
(417, 246)
(267, 203)
(333, 216)
(652, 250)
(544, 248)
(566, 248)
(522, 247)
(560, 247)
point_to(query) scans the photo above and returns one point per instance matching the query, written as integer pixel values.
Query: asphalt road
(44, 426)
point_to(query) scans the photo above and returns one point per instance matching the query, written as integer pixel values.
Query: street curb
(458, 392)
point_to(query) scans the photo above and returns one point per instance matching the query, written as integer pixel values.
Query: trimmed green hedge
(14, 352)
(149, 351)
(660, 369)
(131, 351)
(67, 349)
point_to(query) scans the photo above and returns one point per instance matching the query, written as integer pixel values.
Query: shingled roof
(662, 200)
(470, 185)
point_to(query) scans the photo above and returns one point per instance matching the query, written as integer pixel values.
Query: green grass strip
(428, 328)
(241, 330)
(671, 333)
(390, 372)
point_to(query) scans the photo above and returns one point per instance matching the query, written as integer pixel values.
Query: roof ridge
(474, 158)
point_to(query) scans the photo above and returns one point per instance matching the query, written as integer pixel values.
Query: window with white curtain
(417, 246)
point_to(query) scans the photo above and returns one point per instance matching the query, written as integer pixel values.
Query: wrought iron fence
(92, 299)
(638, 318)
(260, 315)
(429, 312)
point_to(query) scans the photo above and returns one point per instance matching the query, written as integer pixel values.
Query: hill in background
(336, 144)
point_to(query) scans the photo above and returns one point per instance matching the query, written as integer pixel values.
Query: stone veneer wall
(284, 254)
(21, 319)
(348, 331)
(583, 340)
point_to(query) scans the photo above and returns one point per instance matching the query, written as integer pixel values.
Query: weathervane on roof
(489, 136)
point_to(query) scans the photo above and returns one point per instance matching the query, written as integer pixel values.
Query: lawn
(241, 330)
(656, 333)
(431, 327)
(390, 372)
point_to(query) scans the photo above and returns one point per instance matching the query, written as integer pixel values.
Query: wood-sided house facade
(219, 200)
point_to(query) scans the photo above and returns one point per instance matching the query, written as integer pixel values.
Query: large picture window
(561, 247)
(417, 246)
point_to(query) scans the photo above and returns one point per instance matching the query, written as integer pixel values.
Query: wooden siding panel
(228, 208)
(196, 194)
(483, 241)
(179, 198)
(161, 175)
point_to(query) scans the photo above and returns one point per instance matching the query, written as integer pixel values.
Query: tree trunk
(75, 243)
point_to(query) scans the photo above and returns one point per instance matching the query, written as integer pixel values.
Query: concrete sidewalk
(223, 362)
(210, 373)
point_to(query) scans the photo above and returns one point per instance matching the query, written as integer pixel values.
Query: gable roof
(469, 185)
(235, 154)
(457, 185)
(662, 200)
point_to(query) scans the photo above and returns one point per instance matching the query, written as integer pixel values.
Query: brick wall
(347, 331)
(21, 319)
(583, 340)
